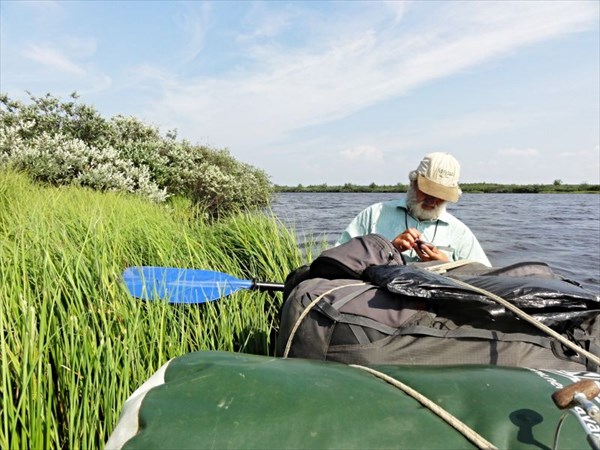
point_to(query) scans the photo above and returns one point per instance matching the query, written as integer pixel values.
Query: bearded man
(419, 225)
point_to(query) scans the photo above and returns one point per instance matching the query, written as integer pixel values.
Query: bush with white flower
(62, 143)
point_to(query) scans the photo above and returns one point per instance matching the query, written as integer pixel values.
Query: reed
(73, 344)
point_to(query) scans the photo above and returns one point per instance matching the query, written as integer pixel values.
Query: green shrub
(63, 143)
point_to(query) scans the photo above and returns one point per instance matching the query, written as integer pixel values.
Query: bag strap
(342, 301)
(359, 334)
(475, 333)
(536, 323)
(305, 312)
(351, 319)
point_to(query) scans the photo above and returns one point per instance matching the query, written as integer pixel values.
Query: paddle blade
(181, 285)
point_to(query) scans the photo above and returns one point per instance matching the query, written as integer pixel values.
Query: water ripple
(562, 230)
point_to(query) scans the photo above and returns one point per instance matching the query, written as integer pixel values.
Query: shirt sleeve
(471, 249)
(359, 226)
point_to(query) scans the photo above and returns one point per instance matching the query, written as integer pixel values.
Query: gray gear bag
(368, 308)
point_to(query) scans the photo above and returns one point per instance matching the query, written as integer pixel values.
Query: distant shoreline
(471, 188)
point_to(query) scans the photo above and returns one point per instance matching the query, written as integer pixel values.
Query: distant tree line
(480, 188)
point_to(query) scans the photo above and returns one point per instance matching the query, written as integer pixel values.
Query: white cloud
(79, 46)
(264, 23)
(583, 153)
(95, 83)
(299, 69)
(59, 63)
(53, 59)
(399, 7)
(44, 9)
(290, 88)
(519, 152)
(194, 23)
(363, 152)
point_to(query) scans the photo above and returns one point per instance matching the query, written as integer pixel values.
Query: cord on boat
(461, 427)
(443, 268)
(307, 310)
(592, 440)
(453, 421)
(579, 395)
(558, 428)
(523, 315)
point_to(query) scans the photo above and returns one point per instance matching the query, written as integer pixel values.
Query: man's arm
(360, 226)
(471, 249)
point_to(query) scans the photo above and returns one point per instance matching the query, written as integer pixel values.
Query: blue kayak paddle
(187, 285)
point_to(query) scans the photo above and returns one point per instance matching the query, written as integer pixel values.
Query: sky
(332, 92)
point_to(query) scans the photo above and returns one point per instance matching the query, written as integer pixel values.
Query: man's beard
(417, 210)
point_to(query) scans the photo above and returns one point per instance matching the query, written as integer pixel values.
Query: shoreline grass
(73, 344)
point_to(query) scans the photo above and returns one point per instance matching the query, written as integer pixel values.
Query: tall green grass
(73, 344)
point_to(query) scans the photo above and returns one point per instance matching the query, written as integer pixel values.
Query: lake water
(562, 230)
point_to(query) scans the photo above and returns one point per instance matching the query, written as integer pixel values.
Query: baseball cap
(437, 175)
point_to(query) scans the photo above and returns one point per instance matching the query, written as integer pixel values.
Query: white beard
(417, 210)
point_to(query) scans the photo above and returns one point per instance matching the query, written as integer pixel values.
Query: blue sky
(332, 92)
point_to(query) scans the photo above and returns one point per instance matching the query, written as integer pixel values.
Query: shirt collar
(401, 203)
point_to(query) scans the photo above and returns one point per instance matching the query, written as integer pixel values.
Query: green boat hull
(228, 400)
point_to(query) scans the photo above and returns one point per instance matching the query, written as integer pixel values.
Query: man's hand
(410, 239)
(428, 252)
(406, 240)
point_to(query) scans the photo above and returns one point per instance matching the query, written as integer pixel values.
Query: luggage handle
(566, 397)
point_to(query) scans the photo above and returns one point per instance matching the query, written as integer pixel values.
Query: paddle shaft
(267, 286)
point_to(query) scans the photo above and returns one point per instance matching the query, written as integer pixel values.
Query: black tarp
(552, 300)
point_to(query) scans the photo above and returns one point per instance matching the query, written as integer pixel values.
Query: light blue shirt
(391, 218)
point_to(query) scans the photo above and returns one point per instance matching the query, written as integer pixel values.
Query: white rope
(307, 310)
(443, 268)
(523, 315)
(458, 425)
(453, 421)
(469, 433)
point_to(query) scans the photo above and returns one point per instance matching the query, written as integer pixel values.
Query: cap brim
(448, 193)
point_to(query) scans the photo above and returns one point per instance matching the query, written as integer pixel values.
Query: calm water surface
(562, 230)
